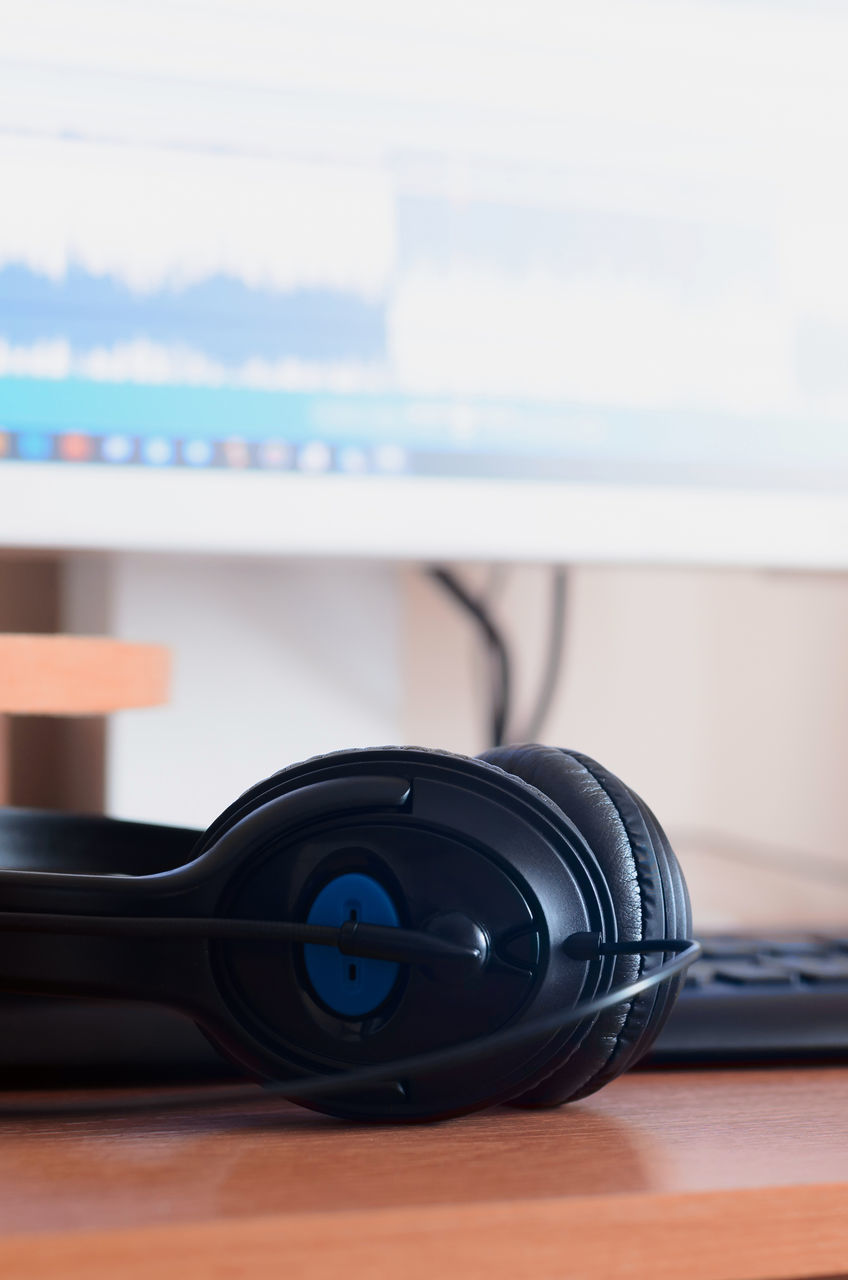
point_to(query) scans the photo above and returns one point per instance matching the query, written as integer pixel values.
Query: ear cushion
(650, 901)
(667, 911)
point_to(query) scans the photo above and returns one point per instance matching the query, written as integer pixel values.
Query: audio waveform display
(222, 318)
(396, 248)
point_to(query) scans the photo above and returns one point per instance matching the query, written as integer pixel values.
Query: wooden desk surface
(667, 1174)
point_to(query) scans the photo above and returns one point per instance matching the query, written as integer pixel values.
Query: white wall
(721, 696)
(273, 661)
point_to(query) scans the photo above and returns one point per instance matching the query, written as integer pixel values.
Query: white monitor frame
(60, 506)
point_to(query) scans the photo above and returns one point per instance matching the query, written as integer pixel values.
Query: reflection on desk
(717, 1175)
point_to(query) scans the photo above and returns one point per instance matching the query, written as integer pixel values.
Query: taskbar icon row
(313, 457)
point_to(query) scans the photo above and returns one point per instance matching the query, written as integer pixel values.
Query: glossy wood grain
(79, 675)
(5, 738)
(721, 1174)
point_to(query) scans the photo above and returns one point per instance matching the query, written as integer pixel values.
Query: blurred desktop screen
(546, 243)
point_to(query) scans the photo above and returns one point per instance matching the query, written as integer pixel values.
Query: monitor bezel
(62, 506)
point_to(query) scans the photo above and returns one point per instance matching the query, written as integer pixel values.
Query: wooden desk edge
(743, 1234)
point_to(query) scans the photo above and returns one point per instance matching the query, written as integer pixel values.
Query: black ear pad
(650, 899)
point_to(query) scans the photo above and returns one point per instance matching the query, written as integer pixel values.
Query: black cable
(553, 659)
(588, 946)
(326, 1086)
(353, 937)
(647, 947)
(496, 646)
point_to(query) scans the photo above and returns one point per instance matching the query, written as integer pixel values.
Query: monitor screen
(529, 251)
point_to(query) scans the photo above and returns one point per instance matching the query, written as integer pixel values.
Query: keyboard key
(721, 948)
(819, 969)
(794, 946)
(700, 974)
(751, 973)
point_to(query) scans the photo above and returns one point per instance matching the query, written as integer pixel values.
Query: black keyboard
(776, 999)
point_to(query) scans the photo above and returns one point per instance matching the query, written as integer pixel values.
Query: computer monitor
(554, 282)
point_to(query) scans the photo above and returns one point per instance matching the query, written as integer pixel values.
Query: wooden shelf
(60, 675)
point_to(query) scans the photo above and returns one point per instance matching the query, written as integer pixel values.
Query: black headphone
(390, 934)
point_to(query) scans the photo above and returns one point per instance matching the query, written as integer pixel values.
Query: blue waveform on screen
(221, 317)
(512, 238)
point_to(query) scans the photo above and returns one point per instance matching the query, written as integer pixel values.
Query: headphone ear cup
(650, 900)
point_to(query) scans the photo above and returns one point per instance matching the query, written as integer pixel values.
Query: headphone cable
(352, 937)
(496, 645)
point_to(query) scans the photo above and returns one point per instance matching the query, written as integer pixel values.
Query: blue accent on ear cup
(350, 985)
